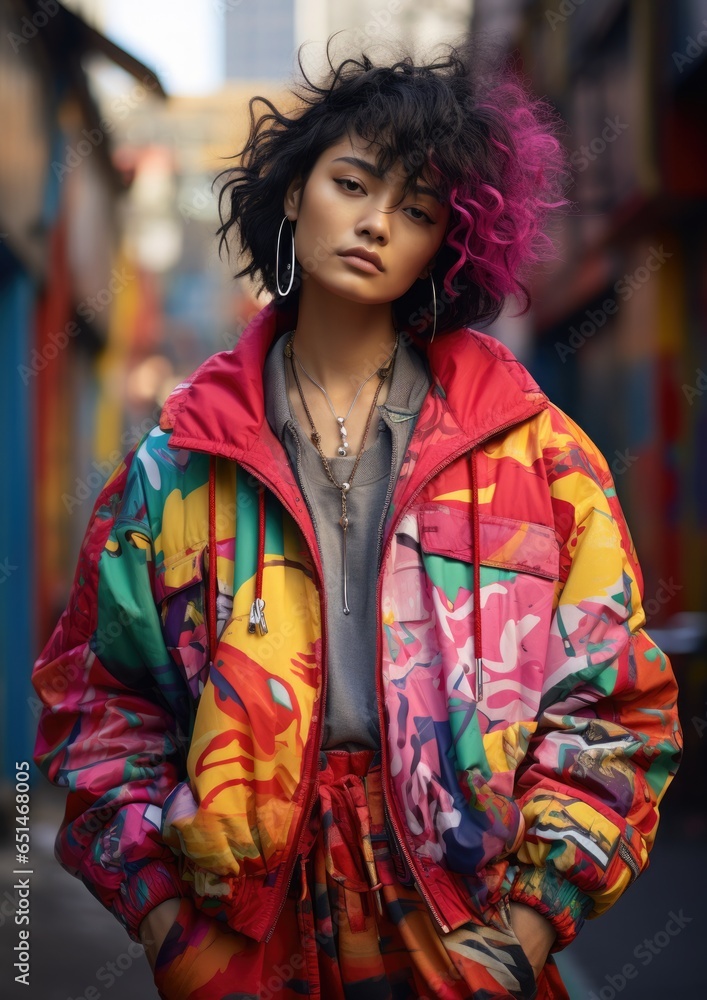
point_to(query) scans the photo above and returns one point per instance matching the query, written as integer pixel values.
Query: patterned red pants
(349, 929)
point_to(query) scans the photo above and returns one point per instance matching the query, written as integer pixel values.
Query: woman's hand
(535, 934)
(203, 958)
(155, 926)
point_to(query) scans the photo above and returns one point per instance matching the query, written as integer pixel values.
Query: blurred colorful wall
(111, 291)
(61, 273)
(617, 334)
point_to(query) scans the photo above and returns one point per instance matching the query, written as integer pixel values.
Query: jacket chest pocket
(433, 571)
(518, 574)
(181, 586)
(505, 544)
(429, 608)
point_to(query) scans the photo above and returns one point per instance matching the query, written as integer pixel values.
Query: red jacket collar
(220, 409)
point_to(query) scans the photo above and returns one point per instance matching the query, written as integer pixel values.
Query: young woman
(352, 695)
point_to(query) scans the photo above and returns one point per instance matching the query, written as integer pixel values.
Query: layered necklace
(383, 372)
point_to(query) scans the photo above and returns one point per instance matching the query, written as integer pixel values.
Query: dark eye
(346, 180)
(421, 216)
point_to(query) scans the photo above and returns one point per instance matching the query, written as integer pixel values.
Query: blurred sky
(180, 39)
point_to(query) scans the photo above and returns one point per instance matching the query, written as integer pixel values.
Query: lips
(364, 254)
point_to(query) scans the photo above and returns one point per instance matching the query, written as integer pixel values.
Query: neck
(340, 342)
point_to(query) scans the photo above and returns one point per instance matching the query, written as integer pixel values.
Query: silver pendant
(342, 450)
(344, 522)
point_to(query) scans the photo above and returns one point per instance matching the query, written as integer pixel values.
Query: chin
(353, 290)
(371, 288)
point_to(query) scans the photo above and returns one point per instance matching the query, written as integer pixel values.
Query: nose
(376, 224)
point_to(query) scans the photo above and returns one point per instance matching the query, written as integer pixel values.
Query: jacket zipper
(322, 703)
(394, 459)
(626, 855)
(300, 477)
(384, 758)
(322, 706)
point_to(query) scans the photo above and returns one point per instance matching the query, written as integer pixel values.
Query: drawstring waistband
(342, 823)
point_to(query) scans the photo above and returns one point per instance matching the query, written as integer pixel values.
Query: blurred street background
(115, 117)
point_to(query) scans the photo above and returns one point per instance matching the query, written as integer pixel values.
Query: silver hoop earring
(290, 267)
(434, 307)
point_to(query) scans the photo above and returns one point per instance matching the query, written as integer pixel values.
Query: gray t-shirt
(351, 711)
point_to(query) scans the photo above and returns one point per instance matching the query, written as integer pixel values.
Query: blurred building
(176, 152)
(261, 39)
(173, 151)
(371, 27)
(619, 321)
(63, 280)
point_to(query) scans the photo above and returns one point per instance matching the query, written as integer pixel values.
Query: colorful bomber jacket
(188, 735)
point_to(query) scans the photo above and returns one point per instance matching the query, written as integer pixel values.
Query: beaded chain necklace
(383, 372)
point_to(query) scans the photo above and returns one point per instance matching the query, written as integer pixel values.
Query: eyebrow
(371, 168)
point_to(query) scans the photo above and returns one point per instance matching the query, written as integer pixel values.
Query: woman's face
(345, 206)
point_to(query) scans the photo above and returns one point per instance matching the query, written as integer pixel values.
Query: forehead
(354, 148)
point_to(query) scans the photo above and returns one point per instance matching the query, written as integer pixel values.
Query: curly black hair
(466, 121)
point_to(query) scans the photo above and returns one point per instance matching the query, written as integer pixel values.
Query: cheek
(319, 231)
(305, 237)
(415, 250)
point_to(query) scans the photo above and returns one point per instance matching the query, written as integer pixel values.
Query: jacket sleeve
(608, 739)
(105, 732)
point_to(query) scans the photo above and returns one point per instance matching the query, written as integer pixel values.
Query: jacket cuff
(555, 897)
(150, 885)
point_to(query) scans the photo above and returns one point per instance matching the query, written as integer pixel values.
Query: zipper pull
(479, 679)
(257, 616)
(304, 890)
(261, 611)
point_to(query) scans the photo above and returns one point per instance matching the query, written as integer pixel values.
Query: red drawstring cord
(261, 541)
(479, 693)
(212, 637)
(256, 611)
